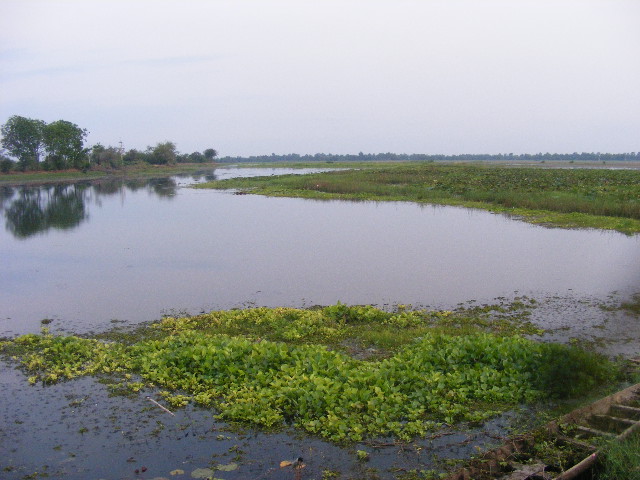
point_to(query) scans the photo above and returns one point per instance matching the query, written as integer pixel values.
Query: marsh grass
(620, 460)
(598, 198)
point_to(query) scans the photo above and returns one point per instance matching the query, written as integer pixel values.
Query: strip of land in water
(131, 171)
(607, 199)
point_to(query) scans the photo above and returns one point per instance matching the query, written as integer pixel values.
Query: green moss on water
(272, 367)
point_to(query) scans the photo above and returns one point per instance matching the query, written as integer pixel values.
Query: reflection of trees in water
(6, 194)
(163, 187)
(206, 175)
(31, 210)
(159, 186)
(135, 184)
(107, 187)
(39, 209)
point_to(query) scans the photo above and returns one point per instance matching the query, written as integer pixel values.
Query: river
(89, 255)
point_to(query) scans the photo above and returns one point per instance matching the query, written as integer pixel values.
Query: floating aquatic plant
(452, 371)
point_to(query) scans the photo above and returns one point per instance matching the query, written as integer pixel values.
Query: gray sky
(335, 76)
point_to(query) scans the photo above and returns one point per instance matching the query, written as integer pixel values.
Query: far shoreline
(40, 177)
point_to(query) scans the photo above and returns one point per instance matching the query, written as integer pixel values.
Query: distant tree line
(30, 144)
(420, 157)
(166, 154)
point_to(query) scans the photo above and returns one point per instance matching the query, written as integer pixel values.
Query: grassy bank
(620, 460)
(572, 198)
(131, 171)
(344, 373)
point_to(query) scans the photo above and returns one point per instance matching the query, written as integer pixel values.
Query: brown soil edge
(494, 463)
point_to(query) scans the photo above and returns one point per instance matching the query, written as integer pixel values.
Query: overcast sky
(335, 76)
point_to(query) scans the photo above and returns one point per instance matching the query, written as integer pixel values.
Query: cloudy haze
(334, 76)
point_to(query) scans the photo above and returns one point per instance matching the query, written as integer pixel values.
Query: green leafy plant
(270, 368)
(362, 455)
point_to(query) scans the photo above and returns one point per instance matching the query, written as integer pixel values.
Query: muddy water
(75, 430)
(88, 255)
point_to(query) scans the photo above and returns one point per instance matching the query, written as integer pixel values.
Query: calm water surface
(86, 254)
(89, 253)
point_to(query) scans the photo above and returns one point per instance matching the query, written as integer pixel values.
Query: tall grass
(620, 460)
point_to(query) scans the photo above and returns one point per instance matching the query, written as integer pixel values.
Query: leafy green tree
(97, 150)
(183, 158)
(6, 164)
(197, 157)
(163, 154)
(64, 142)
(210, 154)
(105, 156)
(133, 156)
(23, 139)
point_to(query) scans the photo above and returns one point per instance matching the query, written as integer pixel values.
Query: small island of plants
(343, 373)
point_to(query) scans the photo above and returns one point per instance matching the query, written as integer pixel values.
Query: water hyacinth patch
(278, 367)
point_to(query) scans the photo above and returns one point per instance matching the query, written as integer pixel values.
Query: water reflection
(148, 246)
(32, 210)
(36, 210)
(163, 187)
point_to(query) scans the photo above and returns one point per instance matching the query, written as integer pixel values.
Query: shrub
(566, 371)
(6, 165)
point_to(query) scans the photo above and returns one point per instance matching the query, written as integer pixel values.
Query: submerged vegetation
(344, 373)
(596, 198)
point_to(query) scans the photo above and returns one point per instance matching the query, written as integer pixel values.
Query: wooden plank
(626, 410)
(629, 431)
(576, 443)
(579, 468)
(593, 431)
(611, 423)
